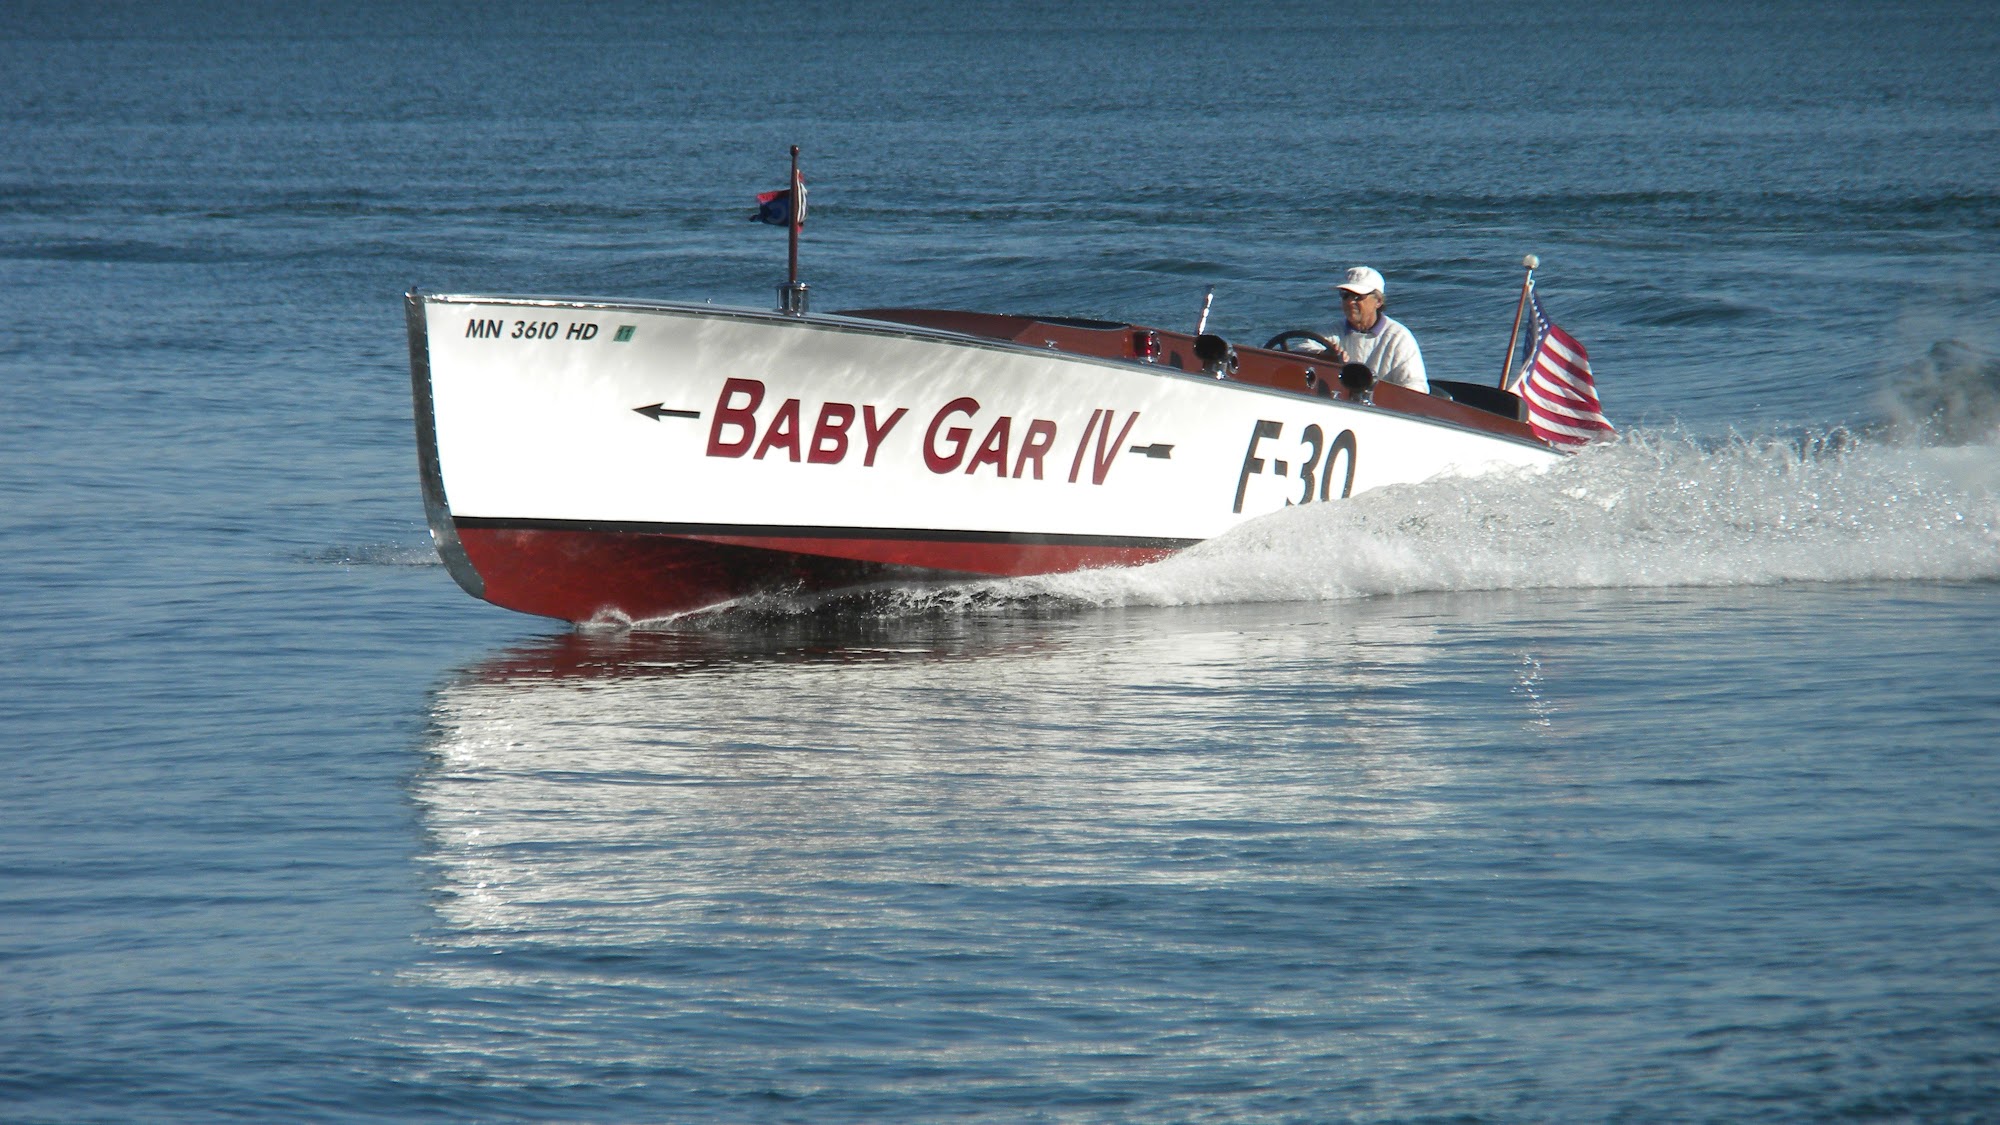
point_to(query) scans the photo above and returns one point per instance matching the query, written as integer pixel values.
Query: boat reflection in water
(633, 776)
(846, 841)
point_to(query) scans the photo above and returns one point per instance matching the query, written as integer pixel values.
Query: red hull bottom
(579, 575)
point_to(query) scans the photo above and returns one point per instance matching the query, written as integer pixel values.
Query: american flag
(1556, 384)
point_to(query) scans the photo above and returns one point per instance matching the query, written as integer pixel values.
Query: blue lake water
(1662, 787)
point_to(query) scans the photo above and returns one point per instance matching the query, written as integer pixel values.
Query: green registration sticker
(624, 333)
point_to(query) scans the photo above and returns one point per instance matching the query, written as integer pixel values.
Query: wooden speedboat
(628, 460)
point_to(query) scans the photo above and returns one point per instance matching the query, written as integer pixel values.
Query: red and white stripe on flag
(1561, 396)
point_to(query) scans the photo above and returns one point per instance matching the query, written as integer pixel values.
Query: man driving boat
(1372, 338)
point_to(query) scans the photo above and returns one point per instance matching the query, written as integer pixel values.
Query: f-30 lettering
(1316, 473)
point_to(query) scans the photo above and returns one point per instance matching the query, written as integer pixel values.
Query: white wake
(1650, 510)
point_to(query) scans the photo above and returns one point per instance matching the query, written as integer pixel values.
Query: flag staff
(792, 298)
(792, 275)
(1528, 263)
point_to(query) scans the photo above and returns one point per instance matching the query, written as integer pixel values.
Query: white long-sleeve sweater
(1389, 351)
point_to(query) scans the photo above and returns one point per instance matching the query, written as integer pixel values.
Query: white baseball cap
(1362, 280)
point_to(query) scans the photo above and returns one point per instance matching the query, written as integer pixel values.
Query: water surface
(1659, 787)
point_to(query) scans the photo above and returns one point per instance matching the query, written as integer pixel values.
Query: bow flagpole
(787, 208)
(797, 220)
(1527, 283)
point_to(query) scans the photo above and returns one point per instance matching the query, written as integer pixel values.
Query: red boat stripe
(777, 536)
(590, 572)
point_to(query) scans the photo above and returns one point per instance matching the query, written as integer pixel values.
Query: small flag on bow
(1557, 386)
(775, 207)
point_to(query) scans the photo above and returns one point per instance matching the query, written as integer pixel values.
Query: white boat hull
(555, 428)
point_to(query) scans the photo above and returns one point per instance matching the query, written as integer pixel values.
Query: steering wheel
(1279, 342)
